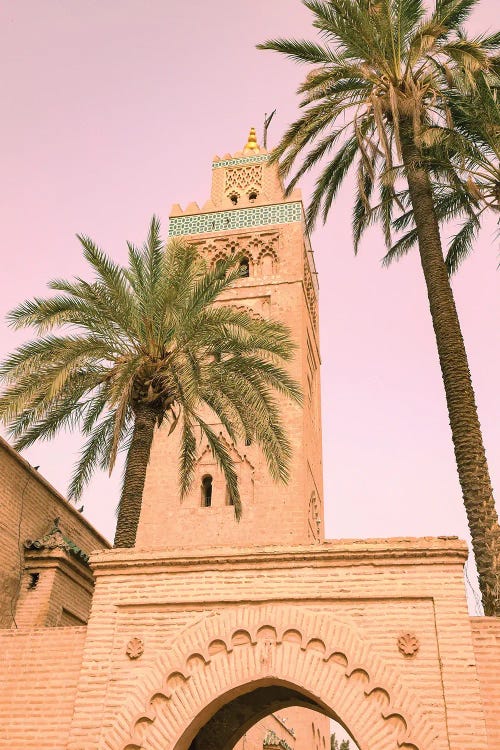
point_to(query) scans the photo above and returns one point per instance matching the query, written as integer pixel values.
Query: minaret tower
(248, 212)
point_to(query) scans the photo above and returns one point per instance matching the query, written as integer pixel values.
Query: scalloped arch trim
(281, 644)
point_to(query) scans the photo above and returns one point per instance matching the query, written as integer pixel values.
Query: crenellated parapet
(241, 181)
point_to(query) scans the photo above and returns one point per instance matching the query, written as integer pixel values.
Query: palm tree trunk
(135, 476)
(466, 431)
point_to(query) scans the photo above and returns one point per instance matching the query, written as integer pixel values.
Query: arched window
(206, 491)
(267, 264)
(244, 267)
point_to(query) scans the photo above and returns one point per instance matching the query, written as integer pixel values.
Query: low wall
(29, 506)
(38, 683)
(486, 641)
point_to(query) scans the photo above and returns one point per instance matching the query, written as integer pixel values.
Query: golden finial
(252, 145)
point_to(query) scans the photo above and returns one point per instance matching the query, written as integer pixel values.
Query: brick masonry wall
(311, 729)
(38, 683)
(254, 737)
(28, 506)
(166, 520)
(382, 589)
(486, 640)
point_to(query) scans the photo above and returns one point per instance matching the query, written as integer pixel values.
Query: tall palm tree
(144, 344)
(466, 172)
(377, 97)
(476, 142)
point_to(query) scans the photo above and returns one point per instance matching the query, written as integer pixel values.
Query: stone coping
(397, 550)
(75, 568)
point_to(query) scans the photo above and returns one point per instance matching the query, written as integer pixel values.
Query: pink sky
(112, 111)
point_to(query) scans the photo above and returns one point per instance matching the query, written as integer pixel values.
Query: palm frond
(91, 456)
(300, 50)
(461, 244)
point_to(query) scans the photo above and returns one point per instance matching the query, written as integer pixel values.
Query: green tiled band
(239, 162)
(238, 218)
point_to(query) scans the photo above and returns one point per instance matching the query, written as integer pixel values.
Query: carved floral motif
(135, 648)
(408, 644)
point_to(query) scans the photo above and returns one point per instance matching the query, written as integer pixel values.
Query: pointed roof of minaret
(252, 147)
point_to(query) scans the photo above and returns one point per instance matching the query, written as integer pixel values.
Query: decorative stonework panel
(312, 302)
(256, 307)
(238, 162)
(243, 179)
(238, 218)
(314, 518)
(135, 648)
(408, 644)
(255, 246)
(313, 652)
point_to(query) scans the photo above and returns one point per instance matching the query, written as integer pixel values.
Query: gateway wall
(486, 639)
(38, 684)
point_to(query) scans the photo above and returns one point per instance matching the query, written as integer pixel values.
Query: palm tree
(334, 743)
(466, 173)
(476, 141)
(144, 344)
(378, 97)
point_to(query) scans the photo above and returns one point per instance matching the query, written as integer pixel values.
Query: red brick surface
(38, 683)
(28, 507)
(486, 640)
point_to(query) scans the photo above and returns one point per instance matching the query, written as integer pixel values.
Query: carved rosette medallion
(408, 644)
(135, 648)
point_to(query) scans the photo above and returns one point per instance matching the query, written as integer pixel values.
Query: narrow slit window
(244, 268)
(33, 580)
(206, 491)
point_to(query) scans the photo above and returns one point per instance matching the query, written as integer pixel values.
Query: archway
(320, 661)
(235, 717)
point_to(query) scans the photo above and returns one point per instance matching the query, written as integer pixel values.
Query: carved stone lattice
(408, 644)
(135, 648)
(310, 292)
(314, 522)
(243, 178)
(253, 246)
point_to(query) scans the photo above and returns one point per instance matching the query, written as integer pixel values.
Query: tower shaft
(248, 213)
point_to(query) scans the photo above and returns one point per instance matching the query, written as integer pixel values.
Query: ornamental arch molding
(231, 652)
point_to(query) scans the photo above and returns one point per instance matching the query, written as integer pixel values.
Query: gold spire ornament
(252, 146)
